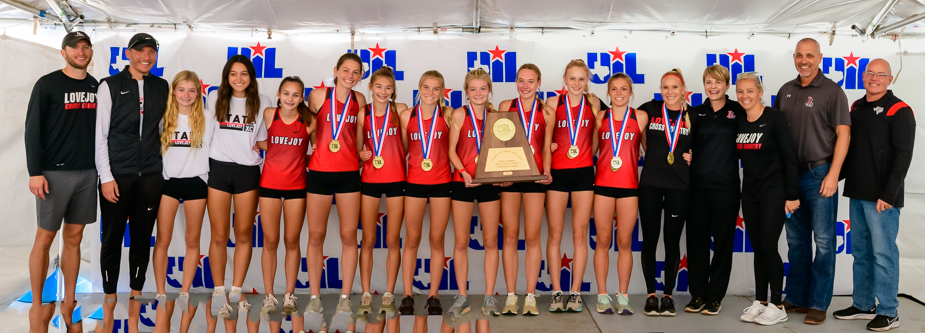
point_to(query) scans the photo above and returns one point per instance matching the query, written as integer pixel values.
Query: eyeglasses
(879, 75)
(157, 45)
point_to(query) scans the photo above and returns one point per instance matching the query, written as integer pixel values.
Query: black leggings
(139, 200)
(712, 213)
(651, 202)
(764, 221)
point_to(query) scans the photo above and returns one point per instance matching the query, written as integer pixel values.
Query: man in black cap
(128, 159)
(59, 156)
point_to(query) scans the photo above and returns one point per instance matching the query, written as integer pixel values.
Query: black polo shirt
(814, 111)
(715, 162)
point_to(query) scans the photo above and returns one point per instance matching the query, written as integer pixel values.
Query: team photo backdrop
(644, 56)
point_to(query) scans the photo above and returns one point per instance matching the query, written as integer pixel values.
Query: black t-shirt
(715, 163)
(60, 124)
(768, 156)
(656, 171)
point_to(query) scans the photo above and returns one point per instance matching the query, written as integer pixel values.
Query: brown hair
(197, 119)
(348, 56)
(534, 68)
(307, 115)
(478, 74)
(717, 71)
(223, 102)
(386, 72)
(621, 75)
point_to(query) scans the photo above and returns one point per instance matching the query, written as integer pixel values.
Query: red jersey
(627, 176)
(466, 147)
(345, 159)
(560, 136)
(538, 136)
(440, 173)
(284, 164)
(393, 154)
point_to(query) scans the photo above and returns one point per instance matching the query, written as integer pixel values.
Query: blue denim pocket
(820, 171)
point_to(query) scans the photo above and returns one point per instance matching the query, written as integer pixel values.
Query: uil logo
(843, 236)
(635, 245)
(447, 280)
(202, 279)
(206, 89)
(741, 242)
(330, 274)
(500, 64)
(850, 68)
(605, 64)
(475, 235)
(680, 282)
(736, 62)
(565, 277)
(376, 57)
(264, 59)
(453, 98)
(118, 59)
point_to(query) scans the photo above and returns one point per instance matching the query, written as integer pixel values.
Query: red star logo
(205, 87)
(258, 50)
(851, 60)
(847, 225)
(319, 86)
(740, 222)
(253, 290)
(446, 93)
(566, 262)
(378, 52)
(497, 53)
(736, 56)
(561, 92)
(201, 264)
(683, 263)
(379, 218)
(688, 96)
(446, 262)
(616, 55)
(324, 261)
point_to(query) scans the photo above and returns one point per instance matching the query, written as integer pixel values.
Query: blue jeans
(809, 281)
(876, 257)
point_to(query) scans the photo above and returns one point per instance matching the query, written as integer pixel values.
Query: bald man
(878, 160)
(817, 110)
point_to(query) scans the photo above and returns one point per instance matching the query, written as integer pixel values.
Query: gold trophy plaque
(505, 155)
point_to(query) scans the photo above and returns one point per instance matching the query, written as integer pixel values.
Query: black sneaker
(407, 306)
(651, 307)
(712, 308)
(667, 307)
(883, 323)
(696, 305)
(433, 306)
(855, 313)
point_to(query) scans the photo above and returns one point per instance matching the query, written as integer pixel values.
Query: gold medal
(573, 152)
(427, 164)
(334, 146)
(670, 158)
(616, 163)
(378, 162)
(533, 150)
(476, 160)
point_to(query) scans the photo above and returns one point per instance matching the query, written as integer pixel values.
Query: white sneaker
(771, 315)
(751, 312)
(235, 295)
(269, 306)
(183, 301)
(289, 305)
(225, 311)
(219, 300)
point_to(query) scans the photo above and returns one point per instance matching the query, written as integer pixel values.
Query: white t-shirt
(234, 138)
(181, 159)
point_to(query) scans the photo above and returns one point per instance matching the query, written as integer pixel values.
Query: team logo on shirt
(447, 280)
(741, 242)
(809, 102)
(237, 122)
(843, 236)
(681, 280)
(565, 276)
(79, 100)
(500, 64)
(605, 64)
(285, 140)
(453, 98)
(736, 62)
(851, 69)
(264, 59)
(182, 140)
(749, 140)
(203, 274)
(635, 243)
(657, 123)
(376, 57)
(878, 109)
(731, 115)
(330, 274)
(118, 59)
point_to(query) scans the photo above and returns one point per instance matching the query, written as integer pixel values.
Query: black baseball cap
(73, 37)
(140, 40)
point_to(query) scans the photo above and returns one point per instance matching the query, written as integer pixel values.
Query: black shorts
(193, 188)
(376, 190)
(232, 177)
(326, 183)
(482, 193)
(572, 180)
(525, 187)
(281, 194)
(616, 192)
(428, 191)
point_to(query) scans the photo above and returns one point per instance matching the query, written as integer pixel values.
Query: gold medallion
(616, 163)
(573, 152)
(427, 164)
(476, 160)
(334, 146)
(378, 162)
(533, 150)
(670, 158)
(503, 129)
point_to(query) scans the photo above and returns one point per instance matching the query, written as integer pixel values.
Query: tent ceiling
(799, 16)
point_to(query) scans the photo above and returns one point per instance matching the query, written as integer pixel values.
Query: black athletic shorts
(326, 183)
(571, 180)
(193, 188)
(232, 177)
(525, 187)
(428, 191)
(482, 193)
(281, 194)
(616, 192)
(376, 190)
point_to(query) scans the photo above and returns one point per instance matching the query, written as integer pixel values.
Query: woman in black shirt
(770, 183)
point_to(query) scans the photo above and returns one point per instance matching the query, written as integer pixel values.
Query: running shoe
(460, 306)
(366, 304)
(695, 305)
(225, 311)
(269, 306)
(289, 304)
(574, 303)
(219, 299)
(623, 305)
(855, 313)
(651, 308)
(771, 315)
(161, 299)
(388, 303)
(510, 304)
(712, 308)
(183, 301)
(407, 306)
(667, 307)
(235, 295)
(883, 323)
(433, 306)
(530, 308)
(752, 312)
(314, 305)
(557, 304)
(603, 304)
(490, 306)
(344, 305)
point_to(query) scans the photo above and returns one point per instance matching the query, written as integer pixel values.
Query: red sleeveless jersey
(284, 164)
(440, 173)
(466, 147)
(346, 159)
(627, 176)
(539, 129)
(393, 154)
(560, 136)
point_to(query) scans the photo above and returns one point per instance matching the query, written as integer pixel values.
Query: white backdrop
(645, 56)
